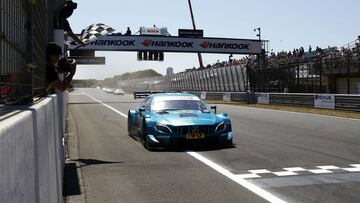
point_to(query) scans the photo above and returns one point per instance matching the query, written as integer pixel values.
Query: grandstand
(329, 70)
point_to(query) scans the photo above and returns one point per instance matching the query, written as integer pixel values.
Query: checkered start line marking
(293, 171)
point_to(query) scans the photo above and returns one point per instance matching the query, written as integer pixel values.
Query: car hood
(185, 117)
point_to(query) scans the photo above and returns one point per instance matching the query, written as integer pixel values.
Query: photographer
(55, 66)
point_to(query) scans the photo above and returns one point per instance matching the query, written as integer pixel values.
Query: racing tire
(130, 126)
(144, 138)
(228, 143)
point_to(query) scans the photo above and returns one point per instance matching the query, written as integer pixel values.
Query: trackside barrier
(243, 97)
(342, 102)
(214, 95)
(305, 100)
(31, 153)
(141, 95)
(346, 102)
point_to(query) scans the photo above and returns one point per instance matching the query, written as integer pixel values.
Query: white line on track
(241, 181)
(124, 115)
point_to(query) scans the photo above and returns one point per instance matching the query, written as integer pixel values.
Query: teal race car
(171, 119)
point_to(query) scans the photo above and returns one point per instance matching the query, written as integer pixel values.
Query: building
(169, 71)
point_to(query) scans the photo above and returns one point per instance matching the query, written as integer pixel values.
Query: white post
(59, 40)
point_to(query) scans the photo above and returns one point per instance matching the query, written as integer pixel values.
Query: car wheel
(130, 126)
(228, 143)
(144, 138)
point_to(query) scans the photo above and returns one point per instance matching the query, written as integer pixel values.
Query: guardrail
(142, 95)
(341, 101)
(348, 102)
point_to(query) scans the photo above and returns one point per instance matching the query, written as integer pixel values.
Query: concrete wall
(31, 153)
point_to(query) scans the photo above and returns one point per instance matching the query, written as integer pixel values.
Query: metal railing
(342, 102)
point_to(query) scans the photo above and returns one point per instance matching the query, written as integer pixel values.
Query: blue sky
(287, 24)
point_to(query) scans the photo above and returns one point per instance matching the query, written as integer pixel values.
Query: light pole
(259, 61)
(194, 27)
(259, 34)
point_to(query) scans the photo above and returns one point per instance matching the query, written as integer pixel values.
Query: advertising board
(263, 98)
(173, 44)
(324, 101)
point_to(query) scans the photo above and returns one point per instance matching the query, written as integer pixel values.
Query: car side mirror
(141, 109)
(214, 108)
(225, 114)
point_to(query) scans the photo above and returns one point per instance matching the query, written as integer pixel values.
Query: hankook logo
(114, 42)
(207, 44)
(148, 43)
(204, 45)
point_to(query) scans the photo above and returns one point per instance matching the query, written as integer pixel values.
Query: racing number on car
(195, 135)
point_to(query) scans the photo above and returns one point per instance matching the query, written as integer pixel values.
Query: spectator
(296, 55)
(128, 31)
(53, 53)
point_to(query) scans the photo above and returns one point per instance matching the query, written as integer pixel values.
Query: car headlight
(162, 128)
(220, 127)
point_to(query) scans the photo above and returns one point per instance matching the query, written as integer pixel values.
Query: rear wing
(141, 95)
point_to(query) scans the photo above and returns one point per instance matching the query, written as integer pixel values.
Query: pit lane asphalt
(121, 170)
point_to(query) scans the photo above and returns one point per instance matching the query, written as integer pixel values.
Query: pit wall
(31, 152)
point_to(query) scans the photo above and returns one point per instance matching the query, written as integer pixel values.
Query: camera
(65, 65)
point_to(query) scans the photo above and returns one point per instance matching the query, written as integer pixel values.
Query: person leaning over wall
(56, 65)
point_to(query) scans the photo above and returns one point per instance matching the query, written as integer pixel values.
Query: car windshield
(178, 104)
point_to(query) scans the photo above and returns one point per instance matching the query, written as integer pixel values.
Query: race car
(118, 92)
(169, 119)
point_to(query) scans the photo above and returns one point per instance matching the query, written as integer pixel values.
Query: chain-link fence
(25, 29)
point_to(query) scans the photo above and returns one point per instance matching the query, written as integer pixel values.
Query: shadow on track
(193, 147)
(88, 162)
(71, 186)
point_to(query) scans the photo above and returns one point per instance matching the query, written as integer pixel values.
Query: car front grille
(183, 130)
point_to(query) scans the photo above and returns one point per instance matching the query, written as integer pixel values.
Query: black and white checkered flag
(92, 32)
